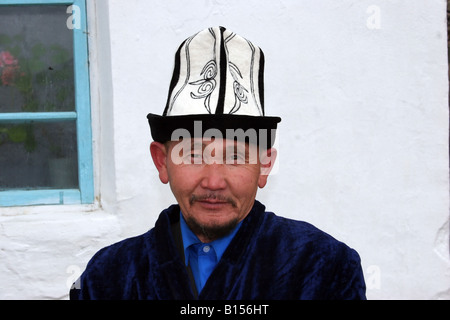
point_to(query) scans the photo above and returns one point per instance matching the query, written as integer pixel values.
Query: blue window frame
(15, 125)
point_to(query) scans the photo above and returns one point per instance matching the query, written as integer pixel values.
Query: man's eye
(195, 157)
(236, 159)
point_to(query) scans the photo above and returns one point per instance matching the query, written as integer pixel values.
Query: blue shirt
(203, 257)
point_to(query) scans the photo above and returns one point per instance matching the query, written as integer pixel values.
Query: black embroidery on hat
(207, 84)
(252, 80)
(240, 93)
(176, 74)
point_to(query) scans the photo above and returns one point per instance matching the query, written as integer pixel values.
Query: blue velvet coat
(269, 258)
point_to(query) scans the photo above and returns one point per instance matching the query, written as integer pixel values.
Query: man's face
(214, 182)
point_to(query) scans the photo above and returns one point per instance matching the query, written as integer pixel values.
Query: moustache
(211, 196)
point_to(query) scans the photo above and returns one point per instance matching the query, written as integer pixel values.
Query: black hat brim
(163, 127)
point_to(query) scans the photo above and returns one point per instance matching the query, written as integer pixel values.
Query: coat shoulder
(296, 230)
(129, 249)
(326, 268)
(304, 237)
(111, 272)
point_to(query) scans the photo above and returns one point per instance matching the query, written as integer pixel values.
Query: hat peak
(217, 72)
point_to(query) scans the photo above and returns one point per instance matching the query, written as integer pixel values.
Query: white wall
(363, 146)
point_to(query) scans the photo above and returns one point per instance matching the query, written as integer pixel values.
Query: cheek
(181, 179)
(246, 181)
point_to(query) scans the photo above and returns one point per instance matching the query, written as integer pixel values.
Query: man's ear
(267, 159)
(159, 156)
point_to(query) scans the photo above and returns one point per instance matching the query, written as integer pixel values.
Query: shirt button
(206, 249)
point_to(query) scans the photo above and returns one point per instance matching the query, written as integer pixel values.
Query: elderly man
(214, 146)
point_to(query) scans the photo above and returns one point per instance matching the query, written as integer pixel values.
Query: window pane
(38, 155)
(36, 59)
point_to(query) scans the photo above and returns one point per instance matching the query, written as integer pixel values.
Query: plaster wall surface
(362, 88)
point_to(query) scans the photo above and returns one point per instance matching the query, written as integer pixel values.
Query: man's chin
(212, 230)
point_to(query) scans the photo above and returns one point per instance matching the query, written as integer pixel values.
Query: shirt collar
(189, 239)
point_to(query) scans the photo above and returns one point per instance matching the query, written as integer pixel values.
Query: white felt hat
(218, 79)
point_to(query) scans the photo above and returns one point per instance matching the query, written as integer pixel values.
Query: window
(45, 123)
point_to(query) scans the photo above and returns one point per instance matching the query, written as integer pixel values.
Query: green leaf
(19, 37)
(38, 50)
(15, 51)
(41, 78)
(17, 134)
(60, 56)
(50, 107)
(61, 95)
(24, 84)
(4, 39)
(31, 105)
(36, 66)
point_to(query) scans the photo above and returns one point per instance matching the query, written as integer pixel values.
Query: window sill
(39, 197)
(71, 203)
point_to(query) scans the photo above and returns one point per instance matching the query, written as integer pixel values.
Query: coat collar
(170, 264)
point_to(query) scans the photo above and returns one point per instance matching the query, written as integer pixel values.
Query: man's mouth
(212, 201)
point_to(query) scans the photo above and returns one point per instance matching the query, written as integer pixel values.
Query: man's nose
(214, 177)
